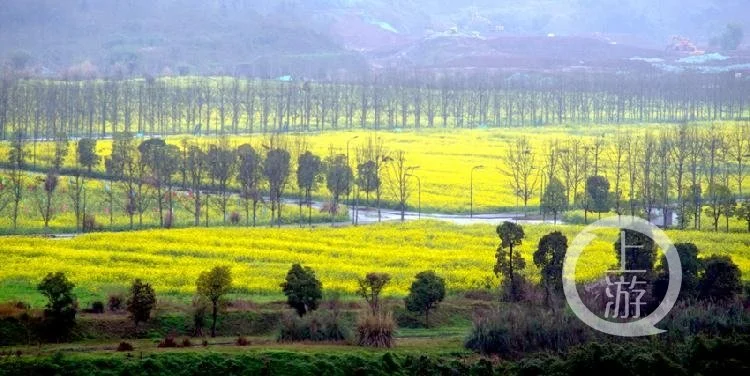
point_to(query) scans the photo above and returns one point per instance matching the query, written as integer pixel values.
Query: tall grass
(376, 330)
(514, 330)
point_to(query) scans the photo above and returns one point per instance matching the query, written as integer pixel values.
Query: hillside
(323, 38)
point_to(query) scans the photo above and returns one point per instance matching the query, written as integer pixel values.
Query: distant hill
(322, 38)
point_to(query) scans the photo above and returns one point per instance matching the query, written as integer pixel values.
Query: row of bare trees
(685, 169)
(142, 175)
(43, 108)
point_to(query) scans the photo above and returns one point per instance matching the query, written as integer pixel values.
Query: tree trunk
(214, 314)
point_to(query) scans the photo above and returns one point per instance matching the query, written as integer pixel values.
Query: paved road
(369, 215)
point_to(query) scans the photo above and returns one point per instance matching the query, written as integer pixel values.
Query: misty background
(324, 37)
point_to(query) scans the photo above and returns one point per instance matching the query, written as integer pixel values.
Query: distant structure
(683, 45)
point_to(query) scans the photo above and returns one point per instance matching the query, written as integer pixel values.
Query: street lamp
(471, 190)
(542, 172)
(419, 194)
(349, 195)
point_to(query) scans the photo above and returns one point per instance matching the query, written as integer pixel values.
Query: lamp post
(585, 184)
(541, 191)
(471, 190)
(419, 195)
(349, 195)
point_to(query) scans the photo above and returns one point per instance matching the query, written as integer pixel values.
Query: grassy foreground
(102, 263)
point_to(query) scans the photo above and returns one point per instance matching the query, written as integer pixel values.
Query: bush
(114, 303)
(425, 293)
(242, 341)
(168, 342)
(90, 224)
(186, 342)
(60, 311)
(302, 289)
(720, 280)
(97, 307)
(486, 295)
(141, 301)
(125, 346)
(200, 310)
(517, 330)
(234, 218)
(320, 326)
(13, 309)
(706, 319)
(375, 330)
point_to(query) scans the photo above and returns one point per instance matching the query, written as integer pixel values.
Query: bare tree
(17, 162)
(739, 150)
(249, 177)
(680, 153)
(196, 166)
(374, 157)
(276, 169)
(713, 149)
(632, 149)
(222, 162)
(519, 162)
(662, 164)
(338, 180)
(695, 144)
(648, 189)
(45, 198)
(573, 162)
(309, 168)
(618, 161)
(398, 180)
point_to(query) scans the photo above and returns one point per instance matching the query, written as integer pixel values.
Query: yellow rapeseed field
(445, 159)
(171, 260)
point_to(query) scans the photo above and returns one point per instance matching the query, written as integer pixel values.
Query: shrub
(302, 289)
(167, 342)
(60, 311)
(481, 294)
(204, 343)
(141, 301)
(89, 223)
(125, 346)
(114, 303)
(375, 330)
(425, 293)
(242, 341)
(12, 309)
(97, 307)
(720, 280)
(517, 330)
(186, 342)
(200, 309)
(318, 327)
(234, 218)
(690, 265)
(370, 288)
(688, 319)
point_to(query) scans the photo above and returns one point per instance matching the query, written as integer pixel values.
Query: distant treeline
(226, 105)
